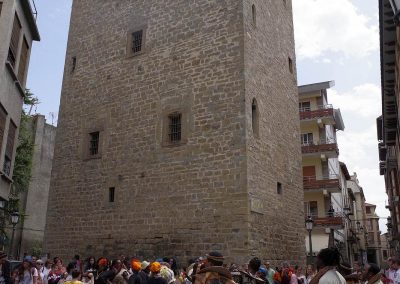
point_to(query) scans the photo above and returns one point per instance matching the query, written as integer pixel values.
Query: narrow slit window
(137, 40)
(279, 188)
(175, 127)
(254, 14)
(111, 194)
(290, 65)
(94, 143)
(254, 117)
(73, 64)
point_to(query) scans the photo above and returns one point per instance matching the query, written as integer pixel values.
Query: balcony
(30, 11)
(325, 111)
(331, 220)
(329, 183)
(327, 147)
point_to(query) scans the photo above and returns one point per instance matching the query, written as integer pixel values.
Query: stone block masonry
(216, 189)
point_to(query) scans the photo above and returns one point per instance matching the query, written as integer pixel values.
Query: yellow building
(324, 177)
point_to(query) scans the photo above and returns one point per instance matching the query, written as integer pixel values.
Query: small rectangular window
(137, 39)
(307, 139)
(94, 143)
(279, 188)
(175, 127)
(111, 194)
(304, 106)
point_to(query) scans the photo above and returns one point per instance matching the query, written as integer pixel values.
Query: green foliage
(36, 249)
(24, 153)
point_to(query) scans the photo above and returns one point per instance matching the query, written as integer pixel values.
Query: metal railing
(328, 219)
(325, 177)
(325, 141)
(320, 107)
(321, 111)
(328, 182)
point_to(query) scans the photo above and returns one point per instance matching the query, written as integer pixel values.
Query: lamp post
(309, 227)
(396, 10)
(14, 221)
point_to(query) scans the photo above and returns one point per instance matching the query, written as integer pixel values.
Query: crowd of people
(210, 269)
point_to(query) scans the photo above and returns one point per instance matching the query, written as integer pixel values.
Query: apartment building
(18, 30)
(374, 234)
(324, 177)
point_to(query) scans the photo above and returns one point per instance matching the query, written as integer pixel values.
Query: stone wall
(274, 153)
(36, 198)
(184, 200)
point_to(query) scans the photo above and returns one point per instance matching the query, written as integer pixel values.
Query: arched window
(254, 14)
(254, 117)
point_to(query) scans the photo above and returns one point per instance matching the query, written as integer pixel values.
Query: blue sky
(335, 40)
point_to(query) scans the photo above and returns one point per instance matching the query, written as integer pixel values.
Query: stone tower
(178, 132)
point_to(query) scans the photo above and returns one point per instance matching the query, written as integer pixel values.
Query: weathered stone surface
(207, 60)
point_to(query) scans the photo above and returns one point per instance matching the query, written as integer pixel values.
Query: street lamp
(396, 9)
(2, 204)
(14, 221)
(309, 227)
(346, 210)
(358, 224)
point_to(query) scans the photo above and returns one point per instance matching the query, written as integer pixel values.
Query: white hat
(145, 264)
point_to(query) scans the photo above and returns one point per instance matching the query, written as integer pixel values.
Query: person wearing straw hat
(213, 271)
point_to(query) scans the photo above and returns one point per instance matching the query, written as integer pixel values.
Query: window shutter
(23, 62)
(10, 140)
(16, 31)
(3, 119)
(1, 6)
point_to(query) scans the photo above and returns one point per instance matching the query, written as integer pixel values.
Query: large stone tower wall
(274, 153)
(181, 200)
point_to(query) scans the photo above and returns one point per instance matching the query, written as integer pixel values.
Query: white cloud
(323, 26)
(361, 101)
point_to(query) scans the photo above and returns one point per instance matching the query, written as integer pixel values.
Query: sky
(335, 40)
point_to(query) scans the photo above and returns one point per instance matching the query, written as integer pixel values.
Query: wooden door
(309, 173)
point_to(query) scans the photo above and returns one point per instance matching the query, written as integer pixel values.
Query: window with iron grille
(94, 143)
(137, 40)
(175, 127)
(13, 49)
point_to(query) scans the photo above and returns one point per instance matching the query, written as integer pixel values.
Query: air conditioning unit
(396, 199)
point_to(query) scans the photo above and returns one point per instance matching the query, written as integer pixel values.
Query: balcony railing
(321, 111)
(329, 220)
(325, 145)
(326, 182)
